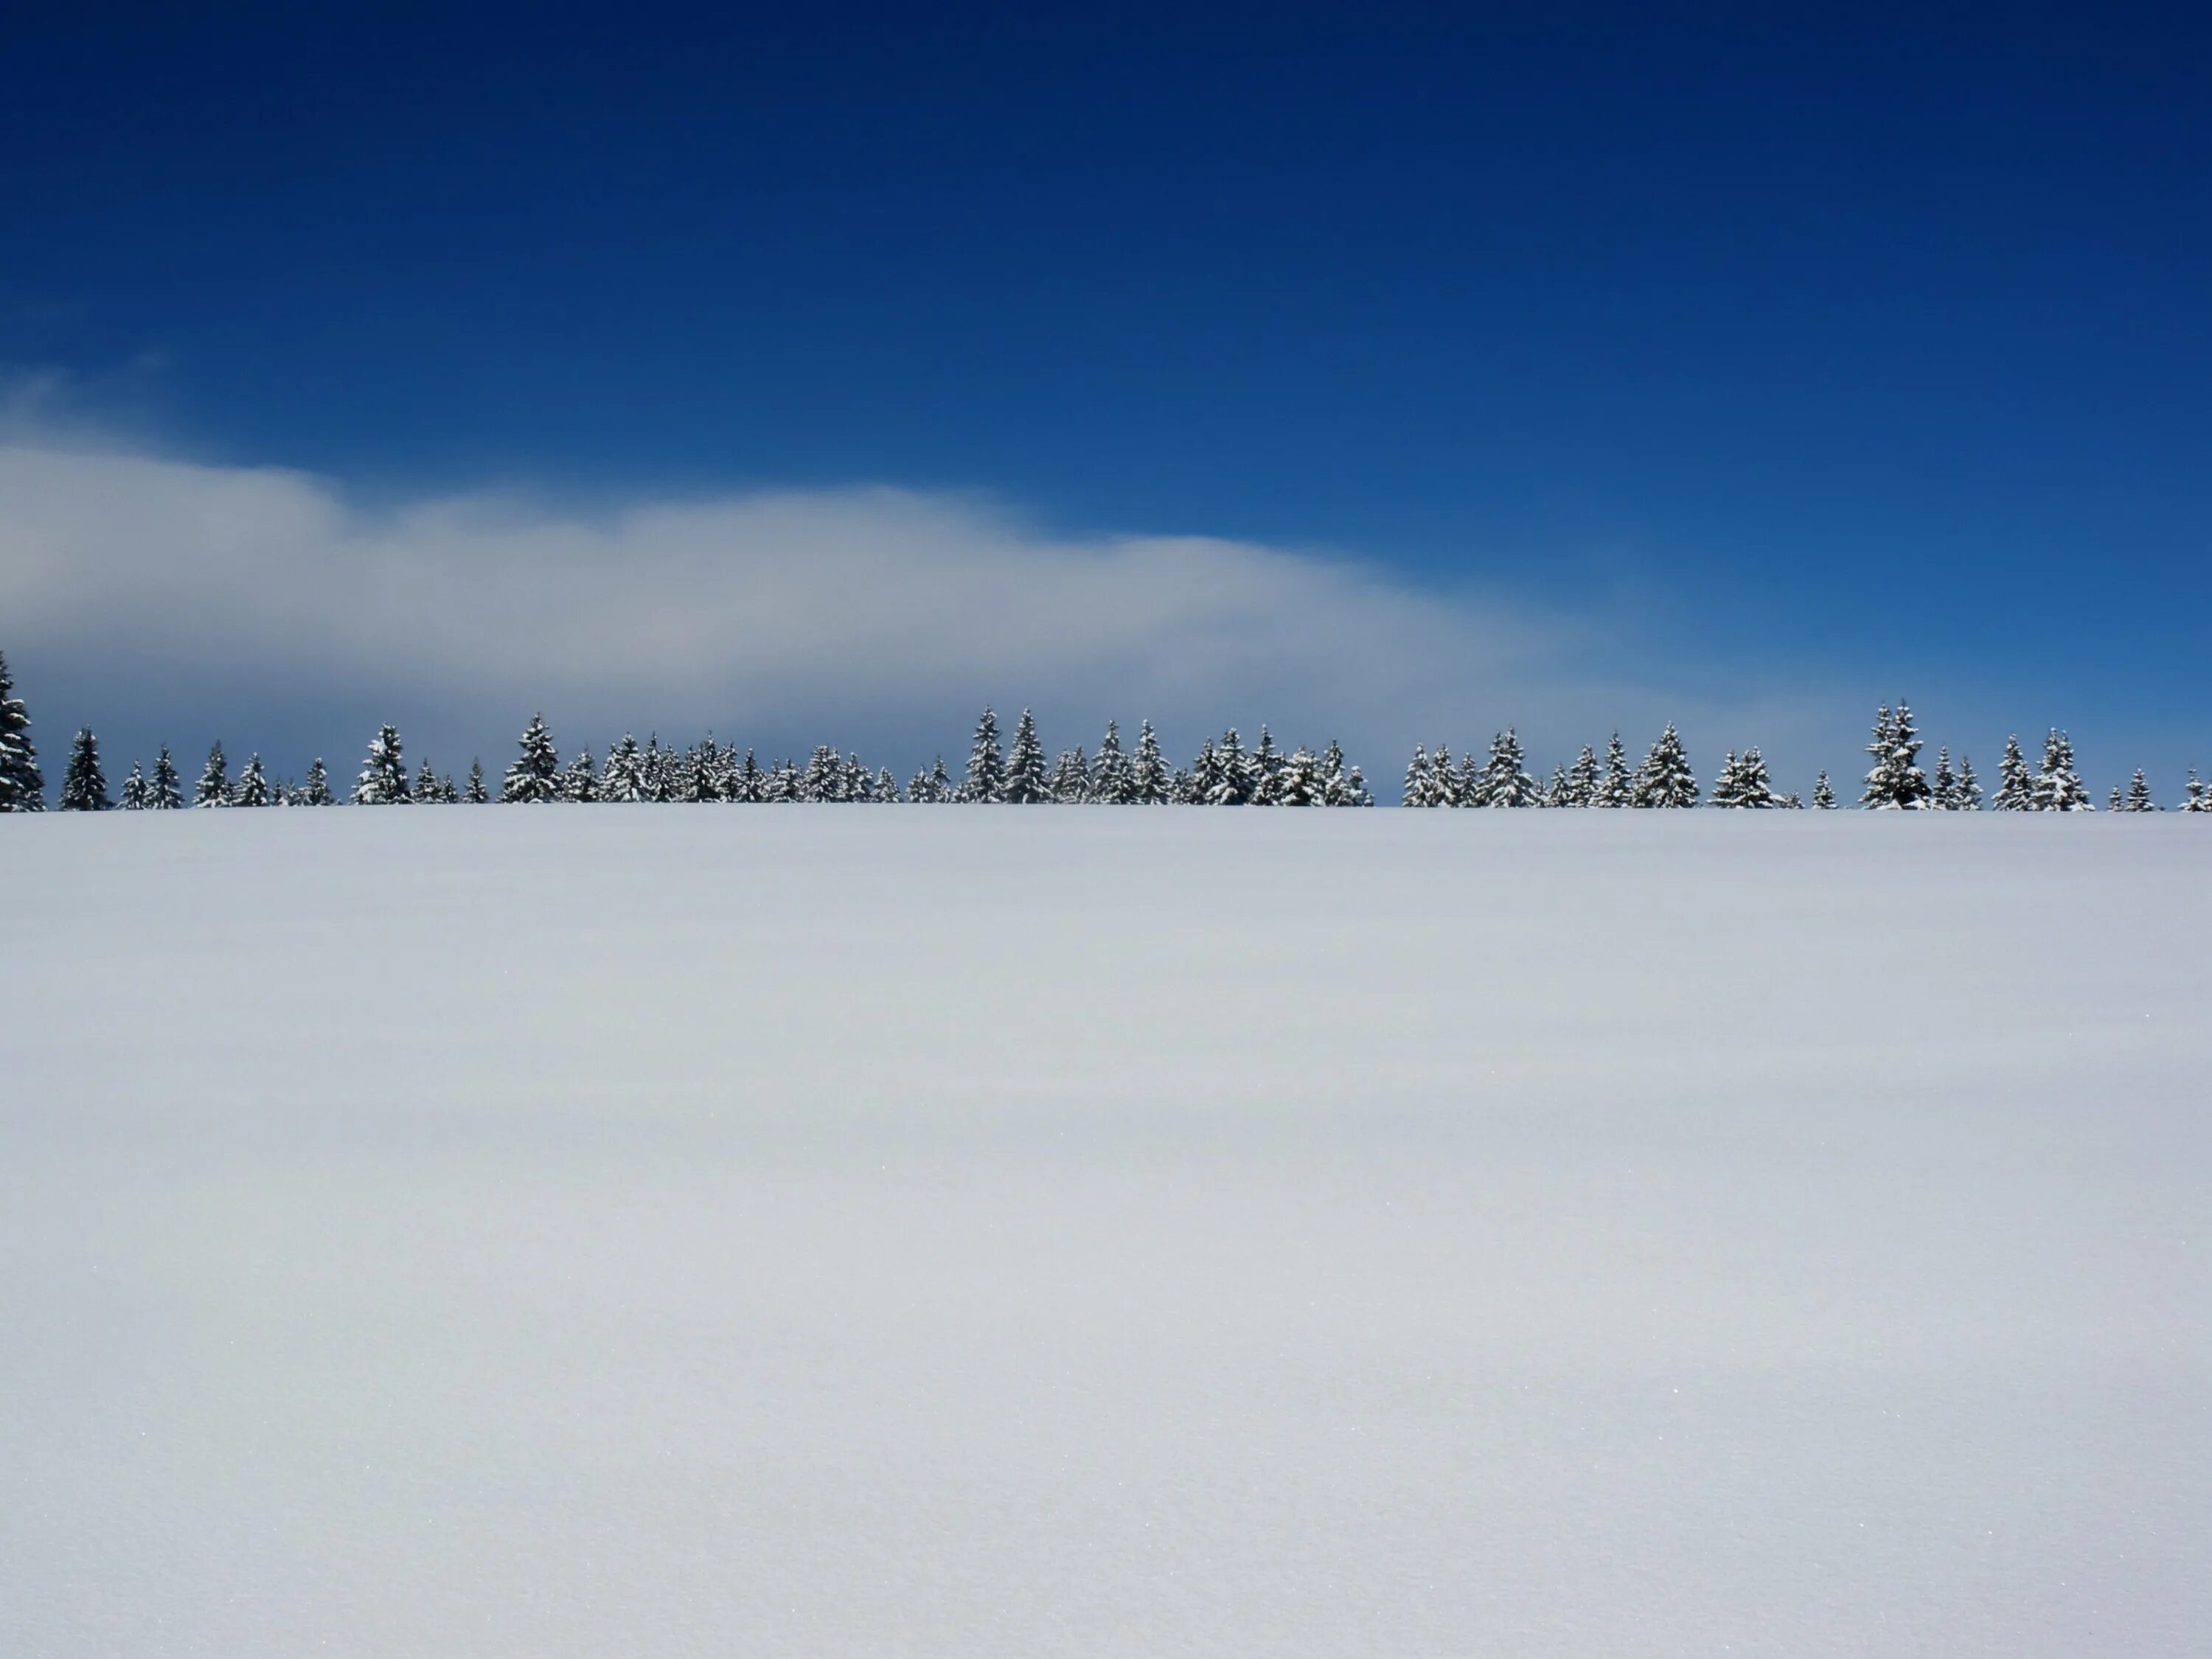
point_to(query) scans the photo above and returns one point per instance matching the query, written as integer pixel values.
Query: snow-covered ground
(973, 1232)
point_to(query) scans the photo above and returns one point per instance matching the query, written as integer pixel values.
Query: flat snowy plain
(976, 1233)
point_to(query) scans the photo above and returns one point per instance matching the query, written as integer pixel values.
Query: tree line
(1225, 772)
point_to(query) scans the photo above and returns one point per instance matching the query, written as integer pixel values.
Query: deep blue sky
(1884, 342)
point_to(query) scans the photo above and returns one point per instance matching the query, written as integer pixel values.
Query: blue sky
(1751, 368)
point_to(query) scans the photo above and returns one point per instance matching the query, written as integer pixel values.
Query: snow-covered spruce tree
(1152, 781)
(1231, 781)
(1743, 783)
(1618, 788)
(1266, 768)
(887, 787)
(623, 779)
(534, 776)
(2195, 800)
(134, 790)
(1966, 792)
(1824, 794)
(748, 783)
(987, 763)
(476, 791)
(1558, 792)
(1026, 784)
(1182, 787)
(316, 791)
(1113, 779)
(783, 780)
(1420, 786)
(1071, 778)
(23, 786)
(2138, 796)
(934, 787)
(1335, 787)
(214, 787)
(824, 780)
(2112, 802)
(383, 780)
(426, 786)
(1895, 782)
(858, 783)
(165, 790)
(1582, 779)
(2015, 783)
(1944, 784)
(1504, 780)
(1299, 782)
(1665, 779)
(702, 777)
(84, 785)
(252, 788)
(2057, 786)
(580, 781)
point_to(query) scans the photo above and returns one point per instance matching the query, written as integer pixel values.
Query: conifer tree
(1665, 779)
(1743, 783)
(426, 786)
(1966, 792)
(887, 788)
(383, 780)
(1943, 787)
(1558, 792)
(580, 780)
(824, 777)
(23, 786)
(1895, 782)
(1355, 790)
(1421, 789)
(1617, 789)
(2196, 799)
(1582, 779)
(1113, 779)
(1182, 788)
(2113, 802)
(1025, 782)
(2058, 786)
(2138, 799)
(748, 782)
(1824, 794)
(623, 779)
(1266, 769)
(2015, 783)
(316, 791)
(1228, 780)
(1071, 778)
(475, 793)
(1300, 783)
(84, 785)
(855, 784)
(1504, 780)
(534, 778)
(214, 787)
(987, 763)
(703, 778)
(933, 788)
(165, 790)
(1336, 787)
(134, 790)
(1151, 781)
(252, 788)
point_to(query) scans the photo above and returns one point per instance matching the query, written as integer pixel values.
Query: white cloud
(897, 610)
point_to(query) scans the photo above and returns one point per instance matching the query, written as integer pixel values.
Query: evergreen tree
(1228, 780)
(1824, 794)
(23, 786)
(1300, 782)
(703, 778)
(84, 785)
(1113, 779)
(534, 776)
(475, 793)
(1582, 779)
(933, 788)
(426, 786)
(2112, 800)
(1071, 778)
(1895, 782)
(1420, 782)
(1665, 779)
(214, 787)
(2196, 801)
(2015, 783)
(1182, 788)
(1355, 790)
(252, 788)
(165, 792)
(750, 784)
(1743, 783)
(2139, 798)
(856, 784)
(624, 778)
(2058, 786)
(1266, 769)
(824, 778)
(383, 780)
(1504, 780)
(1966, 792)
(580, 781)
(1026, 784)
(1943, 787)
(1617, 788)
(134, 790)
(987, 763)
(316, 792)
(1152, 782)
(1336, 787)
(1559, 791)
(887, 789)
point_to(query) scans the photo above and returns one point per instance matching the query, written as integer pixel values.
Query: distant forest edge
(1224, 773)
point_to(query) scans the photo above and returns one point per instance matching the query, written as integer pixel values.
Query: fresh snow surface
(973, 1232)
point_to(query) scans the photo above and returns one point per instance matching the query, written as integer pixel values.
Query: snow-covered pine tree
(1742, 782)
(1421, 789)
(1618, 788)
(1504, 780)
(1582, 779)
(652, 771)
(623, 778)
(1461, 781)
(1665, 779)
(2059, 787)
(534, 776)
(1026, 784)
(580, 780)
(1152, 780)
(703, 778)
(1266, 768)
(1231, 781)
(84, 785)
(887, 789)
(986, 762)
(1824, 794)
(2015, 783)
(165, 790)
(1071, 777)
(1944, 786)
(1895, 782)
(858, 783)
(2196, 799)
(1335, 788)
(2113, 802)
(2138, 799)
(1355, 790)
(1966, 792)
(426, 786)
(749, 784)
(23, 786)
(1299, 782)
(934, 787)
(1182, 787)
(824, 779)
(1113, 779)
(1559, 791)
(383, 780)
(134, 790)
(476, 791)
(252, 788)
(214, 787)
(316, 791)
